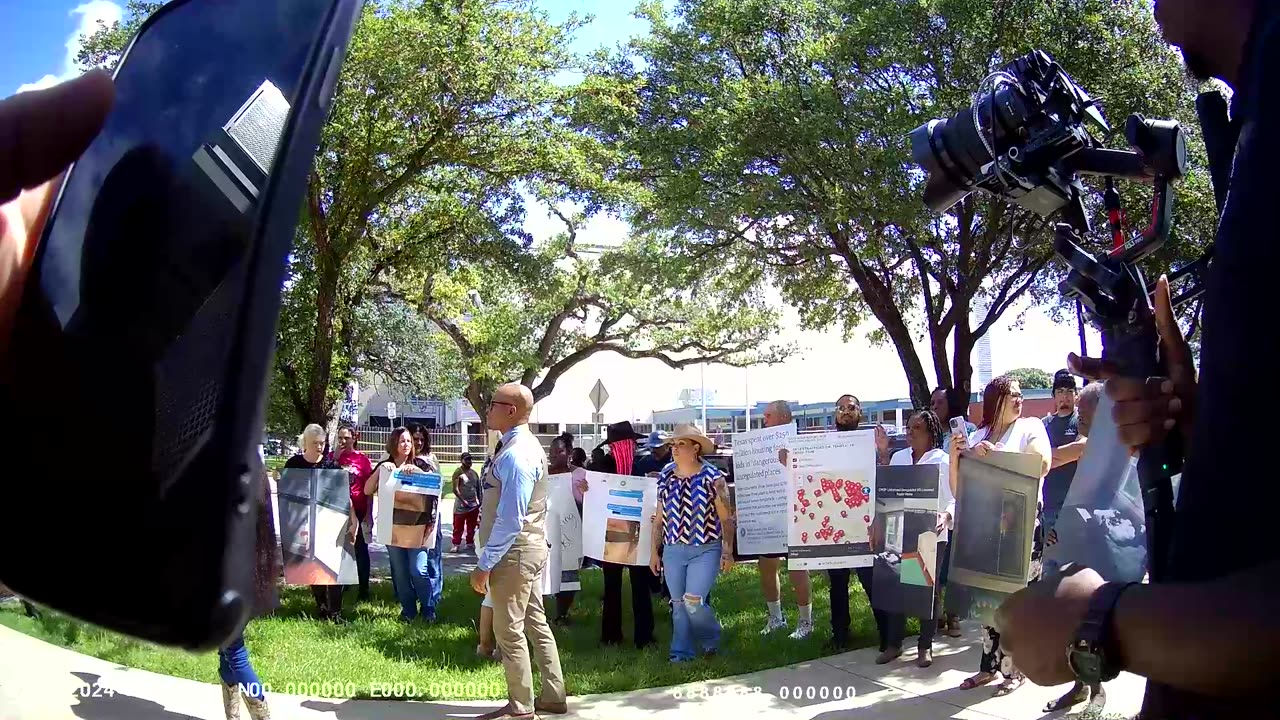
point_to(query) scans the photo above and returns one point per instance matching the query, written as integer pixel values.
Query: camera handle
(1115, 294)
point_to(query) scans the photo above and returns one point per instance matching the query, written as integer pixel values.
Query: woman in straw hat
(694, 529)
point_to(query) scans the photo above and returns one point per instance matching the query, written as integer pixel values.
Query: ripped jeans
(691, 571)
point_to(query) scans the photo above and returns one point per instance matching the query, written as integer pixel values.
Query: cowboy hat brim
(708, 447)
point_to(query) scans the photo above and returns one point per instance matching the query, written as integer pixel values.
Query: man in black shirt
(891, 627)
(1206, 638)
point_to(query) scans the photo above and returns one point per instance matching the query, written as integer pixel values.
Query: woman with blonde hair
(312, 457)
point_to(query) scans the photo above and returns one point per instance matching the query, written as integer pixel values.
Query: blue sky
(39, 36)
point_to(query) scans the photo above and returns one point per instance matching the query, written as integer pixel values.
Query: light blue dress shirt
(519, 466)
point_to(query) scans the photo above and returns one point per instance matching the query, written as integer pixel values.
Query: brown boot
(231, 701)
(258, 709)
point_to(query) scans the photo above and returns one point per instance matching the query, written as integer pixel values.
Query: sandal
(1010, 684)
(1076, 695)
(973, 681)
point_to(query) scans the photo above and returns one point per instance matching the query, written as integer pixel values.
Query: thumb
(1092, 368)
(1177, 352)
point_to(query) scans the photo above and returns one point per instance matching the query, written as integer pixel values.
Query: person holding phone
(312, 441)
(1003, 429)
(694, 527)
(412, 534)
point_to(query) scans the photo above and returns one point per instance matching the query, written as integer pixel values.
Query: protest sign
(905, 539)
(761, 479)
(564, 535)
(832, 496)
(314, 508)
(616, 512)
(401, 518)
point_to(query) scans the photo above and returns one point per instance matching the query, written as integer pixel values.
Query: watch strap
(1092, 636)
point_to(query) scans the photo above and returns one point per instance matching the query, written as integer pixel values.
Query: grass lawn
(294, 653)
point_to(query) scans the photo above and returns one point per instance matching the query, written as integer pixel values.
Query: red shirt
(356, 459)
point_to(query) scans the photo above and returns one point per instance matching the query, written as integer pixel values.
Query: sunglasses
(495, 403)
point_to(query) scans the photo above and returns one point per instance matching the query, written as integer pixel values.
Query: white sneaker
(775, 623)
(803, 629)
(455, 549)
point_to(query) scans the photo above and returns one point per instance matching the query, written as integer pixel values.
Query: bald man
(513, 534)
(778, 413)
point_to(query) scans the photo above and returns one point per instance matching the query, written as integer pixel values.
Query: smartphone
(958, 427)
(140, 354)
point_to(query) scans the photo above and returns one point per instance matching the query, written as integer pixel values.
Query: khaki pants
(516, 586)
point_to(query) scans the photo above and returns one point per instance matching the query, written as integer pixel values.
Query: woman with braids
(1003, 429)
(925, 437)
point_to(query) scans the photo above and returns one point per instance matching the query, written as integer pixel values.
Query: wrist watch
(1092, 655)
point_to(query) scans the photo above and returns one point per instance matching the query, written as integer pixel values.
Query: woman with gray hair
(312, 457)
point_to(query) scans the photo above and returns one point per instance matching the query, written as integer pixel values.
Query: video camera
(1024, 138)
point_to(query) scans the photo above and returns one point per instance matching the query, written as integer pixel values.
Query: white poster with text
(760, 489)
(564, 535)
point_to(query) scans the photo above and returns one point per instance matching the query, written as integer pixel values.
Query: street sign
(597, 418)
(391, 410)
(599, 396)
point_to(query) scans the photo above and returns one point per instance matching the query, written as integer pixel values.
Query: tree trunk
(322, 346)
(898, 332)
(479, 395)
(962, 358)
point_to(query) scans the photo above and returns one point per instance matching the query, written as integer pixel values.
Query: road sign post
(599, 396)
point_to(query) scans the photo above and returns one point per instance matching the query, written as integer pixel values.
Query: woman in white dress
(1004, 429)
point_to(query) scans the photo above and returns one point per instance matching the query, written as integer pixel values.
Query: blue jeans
(418, 578)
(235, 669)
(691, 571)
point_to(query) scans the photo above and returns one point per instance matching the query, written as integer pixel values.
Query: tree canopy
(447, 124)
(777, 132)
(1031, 378)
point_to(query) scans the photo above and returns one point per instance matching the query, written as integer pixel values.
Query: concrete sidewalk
(39, 681)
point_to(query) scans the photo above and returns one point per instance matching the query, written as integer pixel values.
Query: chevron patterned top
(689, 506)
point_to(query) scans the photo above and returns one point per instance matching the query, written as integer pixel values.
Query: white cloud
(89, 14)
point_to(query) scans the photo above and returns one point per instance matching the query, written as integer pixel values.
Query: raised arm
(724, 509)
(371, 485)
(1069, 453)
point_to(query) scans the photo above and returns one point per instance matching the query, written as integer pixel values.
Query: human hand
(41, 133)
(1148, 408)
(655, 562)
(1051, 537)
(944, 519)
(882, 439)
(480, 581)
(783, 455)
(983, 449)
(726, 561)
(1037, 623)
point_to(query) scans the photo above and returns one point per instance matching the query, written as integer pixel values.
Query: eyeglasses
(1017, 395)
(494, 403)
(847, 408)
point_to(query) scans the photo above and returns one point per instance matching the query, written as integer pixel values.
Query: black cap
(1064, 380)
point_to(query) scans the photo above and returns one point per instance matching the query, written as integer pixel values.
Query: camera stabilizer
(1032, 150)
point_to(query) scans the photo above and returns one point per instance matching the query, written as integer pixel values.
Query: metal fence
(448, 446)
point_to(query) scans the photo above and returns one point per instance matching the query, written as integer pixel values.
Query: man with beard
(890, 627)
(1223, 663)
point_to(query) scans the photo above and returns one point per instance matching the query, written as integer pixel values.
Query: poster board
(401, 518)
(314, 509)
(760, 494)
(616, 512)
(995, 523)
(564, 535)
(832, 497)
(905, 539)
(1102, 524)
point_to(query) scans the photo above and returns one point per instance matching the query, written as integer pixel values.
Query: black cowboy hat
(620, 431)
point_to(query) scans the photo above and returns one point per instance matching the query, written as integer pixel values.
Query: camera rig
(1024, 138)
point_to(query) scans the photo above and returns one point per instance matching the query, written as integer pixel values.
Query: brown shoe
(551, 708)
(889, 655)
(507, 711)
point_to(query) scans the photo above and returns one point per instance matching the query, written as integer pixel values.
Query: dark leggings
(641, 605)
